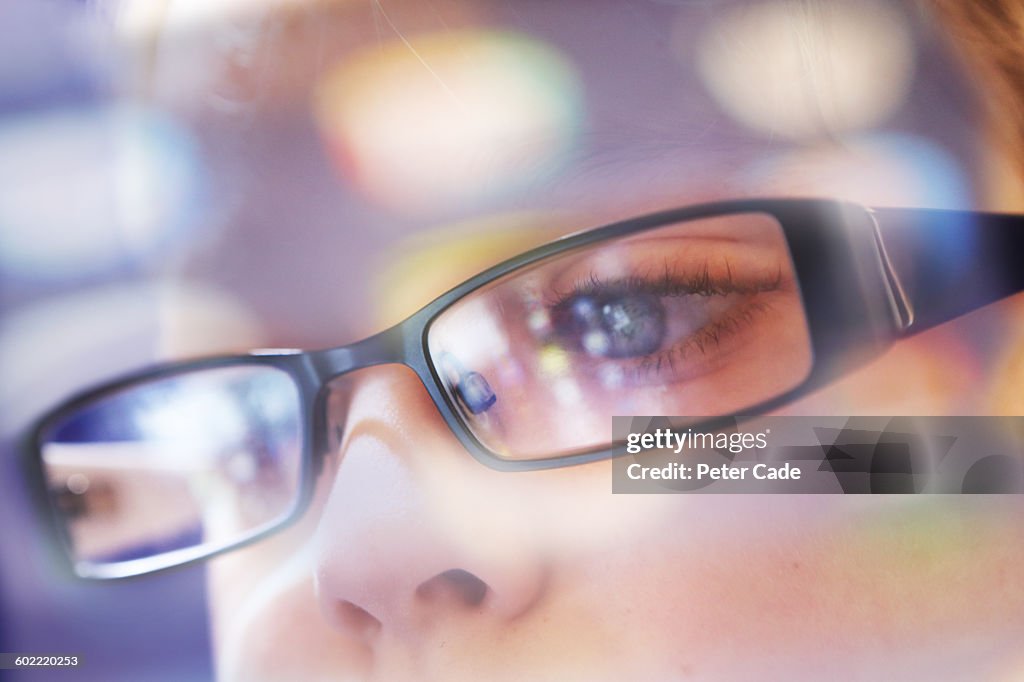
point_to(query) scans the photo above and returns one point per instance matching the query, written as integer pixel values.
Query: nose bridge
(386, 347)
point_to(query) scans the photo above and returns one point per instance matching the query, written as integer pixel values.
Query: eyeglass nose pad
(475, 392)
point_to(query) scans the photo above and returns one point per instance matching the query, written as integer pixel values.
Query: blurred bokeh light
(85, 189)
(879, 169)
(142, 19)
(438, 120)
(799, 70)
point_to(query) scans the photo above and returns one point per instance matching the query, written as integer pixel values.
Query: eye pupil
(620, 318)
(619, 325)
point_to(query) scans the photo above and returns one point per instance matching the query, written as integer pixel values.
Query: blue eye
(612, 325)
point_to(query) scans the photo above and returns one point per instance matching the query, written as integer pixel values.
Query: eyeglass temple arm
(948, 263)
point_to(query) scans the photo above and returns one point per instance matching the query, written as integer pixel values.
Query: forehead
(322, 136)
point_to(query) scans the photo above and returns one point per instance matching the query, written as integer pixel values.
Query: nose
(415, 531)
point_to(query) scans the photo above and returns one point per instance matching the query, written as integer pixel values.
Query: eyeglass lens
(698, 318)
(194, 460)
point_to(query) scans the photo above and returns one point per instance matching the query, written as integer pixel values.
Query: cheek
(264, 616)
(866, 582)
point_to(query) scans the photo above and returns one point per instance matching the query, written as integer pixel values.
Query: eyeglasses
(711, 310)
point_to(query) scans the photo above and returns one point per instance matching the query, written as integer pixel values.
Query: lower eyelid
(671, 360)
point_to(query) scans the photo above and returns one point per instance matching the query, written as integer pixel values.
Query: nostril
(472, 589)
(356, 620)
(462, 585)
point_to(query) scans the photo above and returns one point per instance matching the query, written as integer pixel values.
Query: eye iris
(624, 325)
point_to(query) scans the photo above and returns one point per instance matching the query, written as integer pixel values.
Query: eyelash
(667, 284)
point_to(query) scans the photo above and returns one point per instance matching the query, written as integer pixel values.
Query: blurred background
(186, 177)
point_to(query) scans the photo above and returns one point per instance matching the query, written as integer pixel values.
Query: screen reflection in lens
(197, 459)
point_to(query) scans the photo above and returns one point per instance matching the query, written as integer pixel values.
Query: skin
(415, 562)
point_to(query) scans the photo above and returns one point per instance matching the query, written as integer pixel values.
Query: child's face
(416, 562)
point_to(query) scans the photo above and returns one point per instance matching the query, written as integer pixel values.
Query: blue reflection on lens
(470, 388)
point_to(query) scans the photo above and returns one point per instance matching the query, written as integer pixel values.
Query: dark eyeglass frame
(856, 302)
